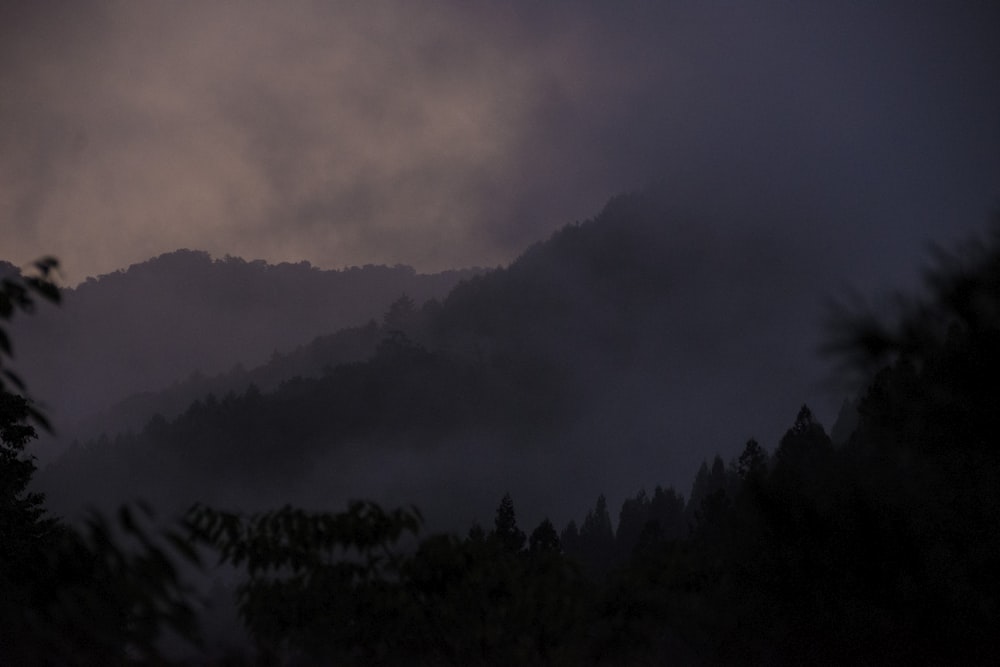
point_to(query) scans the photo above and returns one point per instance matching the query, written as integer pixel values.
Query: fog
(618, 355)
(451, 136)
(433, 254)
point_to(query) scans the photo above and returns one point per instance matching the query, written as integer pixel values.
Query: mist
(445, 137)
(598, 263)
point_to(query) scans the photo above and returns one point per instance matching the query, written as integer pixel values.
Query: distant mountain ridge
(622, 348)
(312, 359)
(159, 321)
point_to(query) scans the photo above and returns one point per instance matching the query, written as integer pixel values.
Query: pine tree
(805, 445)
(24, 528)
(597, 538)
(753, 460)
(505, 531)
(544, 539)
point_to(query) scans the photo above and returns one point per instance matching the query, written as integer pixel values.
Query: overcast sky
(455, 134)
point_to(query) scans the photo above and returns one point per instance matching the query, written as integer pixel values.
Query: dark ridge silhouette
(586, 344)
(157, 322)
(314, 359)
(880, 547)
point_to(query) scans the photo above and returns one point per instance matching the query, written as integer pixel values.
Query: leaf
(184, 547)
(39, 419)
(14, 379)
(46, 265)
(126, 520)
(146, 509)
(45, 289)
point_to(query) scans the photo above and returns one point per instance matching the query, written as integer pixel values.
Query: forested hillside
(311, 359)
(588, 354)
(158, 322)
(499, 334)
(882, 549)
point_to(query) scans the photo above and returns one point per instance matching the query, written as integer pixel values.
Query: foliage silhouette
(101, 593)
(882, 548)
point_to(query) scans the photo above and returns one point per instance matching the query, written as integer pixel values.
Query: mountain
(309, 360)
(159, 321)
(623, 348)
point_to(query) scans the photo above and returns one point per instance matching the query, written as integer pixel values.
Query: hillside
(606, 353)
(157, 322)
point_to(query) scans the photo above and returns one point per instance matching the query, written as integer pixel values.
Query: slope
(624, 348)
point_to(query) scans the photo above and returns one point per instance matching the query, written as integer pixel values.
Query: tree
(667, 509)
(505, 530)
(16, 469)
(804, 445)
(401, 316)
(752, 461)
(27, 535)
(325, 587)
(597, 523)
(25, 532)
(632, 521)
(72, 596)
(569, 538)
(710, 485)
(21, 293)
(596, 545)
(924, 456)
(544, 539)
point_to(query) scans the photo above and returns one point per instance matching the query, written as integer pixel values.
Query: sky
(445, 135)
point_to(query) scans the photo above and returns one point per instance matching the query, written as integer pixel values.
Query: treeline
(404, 396)
(588, 338)
(810, 555)
(884, 549)
(101, 593)
(312, 359)
(142, 328)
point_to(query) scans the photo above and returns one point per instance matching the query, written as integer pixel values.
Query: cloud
(456, 134)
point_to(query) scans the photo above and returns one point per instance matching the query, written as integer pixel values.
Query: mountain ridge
(144, 327)
(610, 336)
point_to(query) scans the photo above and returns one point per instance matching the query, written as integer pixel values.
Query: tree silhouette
(75, 596)
(595, 546)
(752, 461)
(401, 316)
(505, 530)
(19, 508)
(20, 293)
(544, 539)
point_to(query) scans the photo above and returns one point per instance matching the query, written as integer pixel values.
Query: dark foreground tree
(927, 447)
(347, 588)
(886, 549)
(505, 530)
(104, 593)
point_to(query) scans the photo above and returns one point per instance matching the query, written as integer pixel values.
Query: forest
(874, 543)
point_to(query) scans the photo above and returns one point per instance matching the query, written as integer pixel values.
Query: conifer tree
(505, 531)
